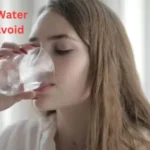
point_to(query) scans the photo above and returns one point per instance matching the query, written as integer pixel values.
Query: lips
(44, 87)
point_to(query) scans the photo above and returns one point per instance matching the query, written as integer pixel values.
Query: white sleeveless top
(30, 135)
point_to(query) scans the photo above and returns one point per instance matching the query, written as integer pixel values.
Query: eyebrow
(53, 37)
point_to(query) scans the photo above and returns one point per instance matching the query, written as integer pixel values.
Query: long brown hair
(120, 110)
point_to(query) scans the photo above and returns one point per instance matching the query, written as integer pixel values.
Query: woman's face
(71, 60)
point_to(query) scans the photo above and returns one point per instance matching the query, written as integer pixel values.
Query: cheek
(72, 76)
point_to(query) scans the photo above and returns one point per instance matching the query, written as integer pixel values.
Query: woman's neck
(72, 126)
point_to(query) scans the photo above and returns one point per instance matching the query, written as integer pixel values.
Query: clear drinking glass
(25, 72)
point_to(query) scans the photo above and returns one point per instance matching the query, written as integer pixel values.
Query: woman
(96, 101)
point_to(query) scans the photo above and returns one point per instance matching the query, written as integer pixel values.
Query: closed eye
(63, 52)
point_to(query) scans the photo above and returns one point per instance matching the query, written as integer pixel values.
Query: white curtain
(135, 15)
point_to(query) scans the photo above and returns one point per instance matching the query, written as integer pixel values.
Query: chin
(42, 105)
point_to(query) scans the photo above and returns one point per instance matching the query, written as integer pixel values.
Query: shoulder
(16, 135)
(29, 134)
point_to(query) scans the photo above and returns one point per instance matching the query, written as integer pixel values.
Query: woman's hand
(11, 49)
(8, 101)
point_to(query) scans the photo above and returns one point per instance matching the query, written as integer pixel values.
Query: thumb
(25, 95)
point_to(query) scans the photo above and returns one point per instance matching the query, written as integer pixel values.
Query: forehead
(51, 23)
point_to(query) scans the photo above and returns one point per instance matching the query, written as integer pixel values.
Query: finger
(24, 95)
(6, 52)
(26, 47)
(13, 46)
(31, 45)
(10, 45)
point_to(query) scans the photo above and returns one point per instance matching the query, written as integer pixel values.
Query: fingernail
(35, 98)
(34, 45)
(16, 52)
(24, 51)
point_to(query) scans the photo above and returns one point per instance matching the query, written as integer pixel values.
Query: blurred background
(135, 15)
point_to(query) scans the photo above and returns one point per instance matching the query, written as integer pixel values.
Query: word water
(13, 15)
